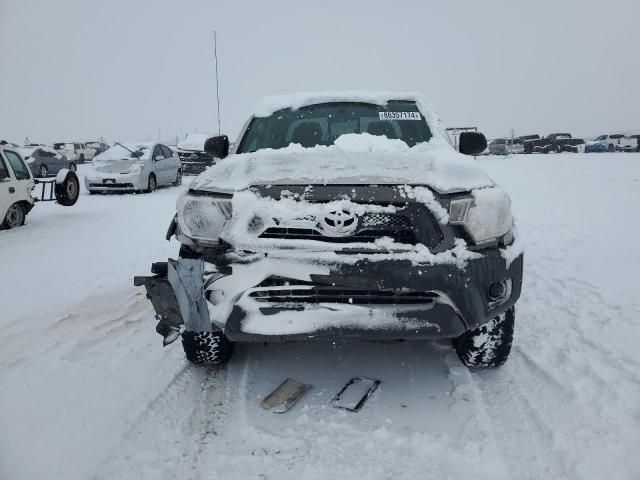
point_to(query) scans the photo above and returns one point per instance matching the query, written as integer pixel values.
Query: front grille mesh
(371, 227)
(354, 296)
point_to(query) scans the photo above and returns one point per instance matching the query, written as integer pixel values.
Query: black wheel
(152, 183)
(73, 167)
(178, 178)
(489, 345)
(14, 217)
(68, 191)
(44, 171)
(611, 148)
(558, 149)
(81, 159)
(207, 348)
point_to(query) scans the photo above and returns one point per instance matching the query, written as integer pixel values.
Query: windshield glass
(321, 124)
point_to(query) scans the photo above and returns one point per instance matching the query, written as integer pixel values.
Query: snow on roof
(194, 141)
(268, 105)
(271, 104)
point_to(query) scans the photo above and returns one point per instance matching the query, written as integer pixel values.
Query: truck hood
(354, 161)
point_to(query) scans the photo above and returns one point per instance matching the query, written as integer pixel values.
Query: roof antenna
(215, 53)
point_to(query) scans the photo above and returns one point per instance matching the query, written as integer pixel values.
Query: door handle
(12, 190)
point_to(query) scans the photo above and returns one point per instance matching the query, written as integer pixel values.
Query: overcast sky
(133, 70)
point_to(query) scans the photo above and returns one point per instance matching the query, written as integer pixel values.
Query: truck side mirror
(472, 143)
(217, 147)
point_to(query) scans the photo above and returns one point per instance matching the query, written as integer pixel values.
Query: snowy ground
(86, 390)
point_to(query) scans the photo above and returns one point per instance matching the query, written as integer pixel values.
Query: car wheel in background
(489, 345)
(73, 167)
(611, 148)
(178, 178)
(152, 183)
(81, 158)
(68, 191)
(14, 217)
(44, 171)
(558, 149)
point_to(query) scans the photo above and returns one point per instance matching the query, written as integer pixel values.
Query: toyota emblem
(338, 223)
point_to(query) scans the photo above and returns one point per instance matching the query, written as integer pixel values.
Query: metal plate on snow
(284, 396)
(355, 394)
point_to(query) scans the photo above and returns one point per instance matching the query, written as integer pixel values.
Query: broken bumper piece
(386, 299)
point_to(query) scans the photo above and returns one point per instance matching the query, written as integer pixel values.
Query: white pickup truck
(618, 142)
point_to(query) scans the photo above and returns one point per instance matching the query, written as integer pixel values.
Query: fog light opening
(499, 292)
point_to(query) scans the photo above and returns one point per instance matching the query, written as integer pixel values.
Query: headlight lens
(202, 217)
(485, 214)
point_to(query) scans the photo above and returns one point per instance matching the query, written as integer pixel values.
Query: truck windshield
(321, 124)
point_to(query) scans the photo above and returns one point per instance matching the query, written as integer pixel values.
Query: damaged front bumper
(264, 299)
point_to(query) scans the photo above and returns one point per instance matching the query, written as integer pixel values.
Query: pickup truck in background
(554, 142)
(618, 142)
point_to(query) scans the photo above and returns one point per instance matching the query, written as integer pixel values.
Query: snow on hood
(118, 159)
(357, 159)
(194, 141)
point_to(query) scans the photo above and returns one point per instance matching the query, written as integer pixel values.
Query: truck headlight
(485, 215)
(201, 217)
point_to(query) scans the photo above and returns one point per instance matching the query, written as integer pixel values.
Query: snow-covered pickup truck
(341, 215)
(17, 183)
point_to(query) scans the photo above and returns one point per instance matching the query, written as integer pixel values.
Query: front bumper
(385, 299)
(114, 183)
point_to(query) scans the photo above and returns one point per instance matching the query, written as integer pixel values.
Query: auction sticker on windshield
(399, 116)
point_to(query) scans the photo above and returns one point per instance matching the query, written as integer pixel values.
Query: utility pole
(215, 54)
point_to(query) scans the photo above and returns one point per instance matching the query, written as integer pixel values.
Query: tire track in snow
(170, 430)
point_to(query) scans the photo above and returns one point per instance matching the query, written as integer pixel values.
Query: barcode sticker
(399, 116)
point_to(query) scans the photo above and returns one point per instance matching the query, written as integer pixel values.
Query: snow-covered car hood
(118, 166)
(355, 159)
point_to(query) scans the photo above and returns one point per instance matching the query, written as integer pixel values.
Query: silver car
(45, 161)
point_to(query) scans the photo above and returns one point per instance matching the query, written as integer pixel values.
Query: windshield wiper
(136, 154)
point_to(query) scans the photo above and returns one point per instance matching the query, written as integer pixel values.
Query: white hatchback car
(133, 167)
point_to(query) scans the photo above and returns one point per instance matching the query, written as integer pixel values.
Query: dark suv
(341, 216)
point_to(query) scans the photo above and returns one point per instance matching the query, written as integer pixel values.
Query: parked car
(133, 167)
(551, 143)
(45, 161)
(75, 152)
(98, 147)
(314, 228)
(617, 142)
(192, 155)
(573, 145)
(594, 147)
(17, 183)
(500, 146)
(636, 137)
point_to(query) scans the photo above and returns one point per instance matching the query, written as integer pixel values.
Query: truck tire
(487, 346)
(611, 148)
(207, 348)
(68, 191)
